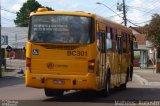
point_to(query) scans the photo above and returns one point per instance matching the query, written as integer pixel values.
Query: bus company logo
(50, 65)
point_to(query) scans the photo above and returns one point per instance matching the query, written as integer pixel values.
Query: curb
(143, 81)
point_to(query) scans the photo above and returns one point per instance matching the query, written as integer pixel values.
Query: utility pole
(122, 7)
(124, 13)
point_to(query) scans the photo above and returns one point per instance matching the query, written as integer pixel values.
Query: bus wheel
(123, 86)
(53, 92)
(106, 91)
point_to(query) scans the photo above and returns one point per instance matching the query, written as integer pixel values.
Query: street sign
(9, 48)
(4, 40)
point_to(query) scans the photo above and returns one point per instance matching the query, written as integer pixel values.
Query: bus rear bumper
(66, 82)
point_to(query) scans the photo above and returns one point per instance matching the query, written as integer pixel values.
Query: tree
(154, 35)
(23, 15)
(154, 30)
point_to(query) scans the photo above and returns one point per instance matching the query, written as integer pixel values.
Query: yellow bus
(77, 51)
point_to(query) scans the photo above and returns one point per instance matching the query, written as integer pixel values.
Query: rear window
(61, 29)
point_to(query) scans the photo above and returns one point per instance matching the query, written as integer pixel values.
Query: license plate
(58, 81)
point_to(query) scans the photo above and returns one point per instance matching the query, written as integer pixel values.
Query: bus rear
(61, 52)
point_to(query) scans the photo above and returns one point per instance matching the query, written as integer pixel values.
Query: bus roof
(112, 23)
(44, 11)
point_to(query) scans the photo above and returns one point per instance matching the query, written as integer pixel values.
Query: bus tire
(107, 90)
(123, 86)
(53, 92)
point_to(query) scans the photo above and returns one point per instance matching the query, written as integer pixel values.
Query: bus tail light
(28, 64)
(91, 66)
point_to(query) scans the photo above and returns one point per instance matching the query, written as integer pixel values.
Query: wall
(16, 54)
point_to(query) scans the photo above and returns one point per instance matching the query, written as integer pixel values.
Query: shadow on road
(130, 94)
(79, 96)
(10, 81)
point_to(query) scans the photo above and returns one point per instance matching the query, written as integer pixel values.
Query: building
(145, 53)
(17, 37)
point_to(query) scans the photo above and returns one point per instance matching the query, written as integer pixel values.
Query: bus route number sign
(76, 53)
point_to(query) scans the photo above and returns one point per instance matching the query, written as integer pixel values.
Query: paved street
(13, 88)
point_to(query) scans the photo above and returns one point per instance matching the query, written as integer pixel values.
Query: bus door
(102, 58)
(120, 51)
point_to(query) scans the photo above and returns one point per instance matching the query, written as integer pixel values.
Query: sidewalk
(147, 76)
(13, 67)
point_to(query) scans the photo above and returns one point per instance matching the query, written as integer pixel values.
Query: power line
(119, 20)
(114, 5)
(148, 5)
(133, 23)
(114, 15)
(142, 22)
(8, 11)
(136, 8)
(154, 3)
(117, 14)
(110, 9)
(145, 12)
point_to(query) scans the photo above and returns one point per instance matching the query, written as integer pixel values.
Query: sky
(139, 12)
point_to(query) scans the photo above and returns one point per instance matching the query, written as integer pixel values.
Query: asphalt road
(13, 91)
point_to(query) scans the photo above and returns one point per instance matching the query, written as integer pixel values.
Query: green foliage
(22, 17)
(154, 30)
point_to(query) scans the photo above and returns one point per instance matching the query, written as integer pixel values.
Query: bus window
(111, 32)
(124, 37)
(119, 45)
(116, 39)
(109, 36)
(108, 41)
(98, 39)
(114, 46)
(128, 42)
(61, 29)
(101, 42)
